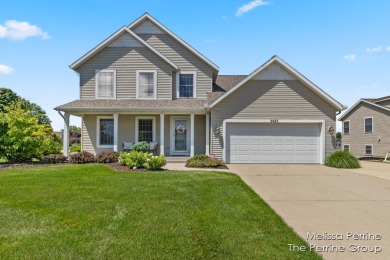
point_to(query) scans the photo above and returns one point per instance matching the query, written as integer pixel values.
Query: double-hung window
(105, 132)
(368, 149)
(346, 148)
(346, 127)
(105, 84)
(146, 84)
(368, 125)
(186, 84)
(145, 128)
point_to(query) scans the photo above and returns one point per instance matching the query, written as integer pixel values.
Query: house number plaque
(274, 120)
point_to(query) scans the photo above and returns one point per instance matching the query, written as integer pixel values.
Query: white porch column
(116, 132)
(207, 134)
(65, 136)
(162, 134)
(192, 134)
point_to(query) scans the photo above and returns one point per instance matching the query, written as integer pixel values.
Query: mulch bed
(123, 168)
(115, 166)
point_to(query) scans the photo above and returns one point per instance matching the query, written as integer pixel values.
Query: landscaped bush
(154, 162)
(141, 147)
(82, 157)
(203, 161)
(75, 148)
(107, 157)
(342, 159)
(54, 158)
(133, 159)
(137, 160)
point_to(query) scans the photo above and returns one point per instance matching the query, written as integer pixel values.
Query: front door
(180, 136)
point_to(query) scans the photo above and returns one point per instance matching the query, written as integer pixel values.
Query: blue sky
(343, 46)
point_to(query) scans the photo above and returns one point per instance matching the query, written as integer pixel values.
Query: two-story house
(366, 128)
(144, 83)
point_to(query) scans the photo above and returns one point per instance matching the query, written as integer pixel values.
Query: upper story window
(105, 84)
(346, 127)
(146, 84)
(186, 84)
(368, 125)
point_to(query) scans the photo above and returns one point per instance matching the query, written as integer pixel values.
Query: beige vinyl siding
(126, 61)
(184, 59)
(200, 134)
(271, 99)
(89, 134)
(385, 103)
(126, 132)
(357, 139)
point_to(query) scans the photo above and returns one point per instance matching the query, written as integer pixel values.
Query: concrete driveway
(315, 199)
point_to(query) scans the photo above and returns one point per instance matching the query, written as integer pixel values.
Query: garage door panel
(272, 143)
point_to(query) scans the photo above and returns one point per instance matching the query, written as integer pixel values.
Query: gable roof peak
(112, 38)
(290, 70)
(147, 16)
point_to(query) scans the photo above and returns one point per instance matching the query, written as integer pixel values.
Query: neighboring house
(144, 83)
(366, 128)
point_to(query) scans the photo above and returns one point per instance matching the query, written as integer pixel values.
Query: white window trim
(349, 122)
(364, 125)
(349, 147)
(154, 82)
(178, 83)
(97, 84)
(137, 118)
(372, 149)
(98, 132)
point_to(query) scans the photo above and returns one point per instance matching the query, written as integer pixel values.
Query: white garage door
(272, 143)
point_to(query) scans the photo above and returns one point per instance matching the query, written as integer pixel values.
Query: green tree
(74, 129)
(8, 97)
(23, 137)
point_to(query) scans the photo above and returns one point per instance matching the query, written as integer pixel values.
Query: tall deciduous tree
(23, 137)
(8, 97)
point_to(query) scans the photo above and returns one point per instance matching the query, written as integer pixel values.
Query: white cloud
(16, 30)
(249, 6)
(350, 57)
(388, 48)
(4, 69)
(374, 49)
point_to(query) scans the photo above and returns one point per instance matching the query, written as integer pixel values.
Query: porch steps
(176, 159)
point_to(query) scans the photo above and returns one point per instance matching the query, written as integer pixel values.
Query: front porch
(178, 135)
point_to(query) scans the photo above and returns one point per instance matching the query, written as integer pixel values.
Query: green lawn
(91, 211)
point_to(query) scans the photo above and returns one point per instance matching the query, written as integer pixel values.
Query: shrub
(202, 161)
(107, 157)
(54, 158)
(75, 148)
(154, 162)
(342, 159)
(22, 137)
(133, 159)
(82, 157)
(141, 147)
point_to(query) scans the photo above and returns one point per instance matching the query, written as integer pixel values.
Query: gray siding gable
(357, 138)
(126, 61)
(271, 99)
